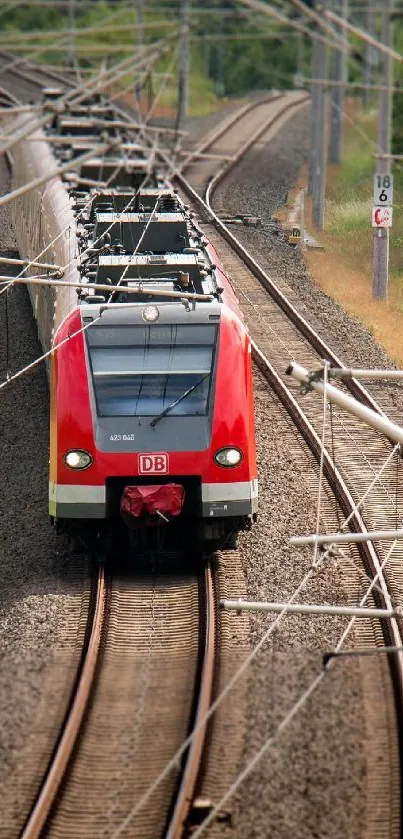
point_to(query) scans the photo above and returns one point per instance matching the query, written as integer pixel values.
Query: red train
(151, 384)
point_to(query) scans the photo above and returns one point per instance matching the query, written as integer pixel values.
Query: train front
(152, 417)
(151, 392)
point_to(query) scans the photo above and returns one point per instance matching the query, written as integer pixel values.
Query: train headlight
(77, 459)
(228, 457)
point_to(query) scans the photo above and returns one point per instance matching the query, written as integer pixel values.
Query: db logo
(156, 464)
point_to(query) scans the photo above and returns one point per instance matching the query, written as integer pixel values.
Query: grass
(349, 190)
(349, 196)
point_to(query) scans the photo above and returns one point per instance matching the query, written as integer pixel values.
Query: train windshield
(141, 371)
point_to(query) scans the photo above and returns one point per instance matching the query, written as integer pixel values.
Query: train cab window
(141, 371)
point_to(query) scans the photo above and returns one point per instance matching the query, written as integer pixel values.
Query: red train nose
(151, 505)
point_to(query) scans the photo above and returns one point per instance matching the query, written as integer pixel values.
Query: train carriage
(151, 383)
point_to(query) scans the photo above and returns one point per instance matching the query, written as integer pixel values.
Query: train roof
(157, 232)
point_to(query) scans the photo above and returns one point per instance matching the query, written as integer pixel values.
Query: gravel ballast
(40, 592)
(311, 782)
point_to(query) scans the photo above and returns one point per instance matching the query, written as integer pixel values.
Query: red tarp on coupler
(151, 505)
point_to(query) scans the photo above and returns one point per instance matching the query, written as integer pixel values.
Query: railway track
(281, 334)
(73, 760)
(128, 630)
(291, 336)
(26, 80)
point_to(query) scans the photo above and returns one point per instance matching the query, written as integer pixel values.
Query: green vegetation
(349, 196)
(349, 192)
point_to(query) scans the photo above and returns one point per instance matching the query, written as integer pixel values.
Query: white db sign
(382, 217)
(153, 464)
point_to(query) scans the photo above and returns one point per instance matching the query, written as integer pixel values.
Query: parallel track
(269, 353)
(372, 557)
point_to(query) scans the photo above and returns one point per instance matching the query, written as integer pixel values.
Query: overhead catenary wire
(90, 85)
(102, 27)
(31, 263)
(59, 42)
(84, 91)
(140, 288)
(173, 763)
(266, 9)
(332, 83)
(75, 163)
(287, 719)
(362, 34)
(45, 355)
(318, 19)
(321, 464)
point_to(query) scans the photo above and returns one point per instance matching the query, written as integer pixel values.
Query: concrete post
(383, 167)
(337, 96)
(183, 83)
(319, 150)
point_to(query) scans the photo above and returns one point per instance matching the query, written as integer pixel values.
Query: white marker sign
(382, 217)
(383, 190)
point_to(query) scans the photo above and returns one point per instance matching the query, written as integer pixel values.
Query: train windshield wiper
(174, 404)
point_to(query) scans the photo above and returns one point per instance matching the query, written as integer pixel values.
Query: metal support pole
(375, 373)
(314, 111)
(369, 55)
(82, 287)
(140, 43)
(348, 403)
(337, 96)
(70, 41)
(183, 65)
(300, 54)
(383, 166)
(306, 609)
(302, 216)
(346, 538)
(220, 83)
(318, 150)
(206, 55)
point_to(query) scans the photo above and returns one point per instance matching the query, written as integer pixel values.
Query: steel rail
(8, 97)
(316, 342)
(268, 123)
(82, 92)
(370, 559)
(367, 551)
(72, 726)
(191, 770)
(222, 129)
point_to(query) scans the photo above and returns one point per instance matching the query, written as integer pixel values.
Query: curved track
(358, 457)
(72, 755)
(69, 735)
(88, 749)
(281, 334)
